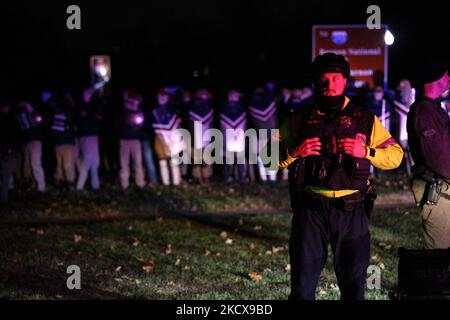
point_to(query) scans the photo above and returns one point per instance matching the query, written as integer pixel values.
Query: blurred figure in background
(9, 147)
(63, 136)
(184, 107)
(165, 120)
(30, 122)
(201, 112)
(129, 125)
(405, 97)
(295, 102)
(47, 107)
(88, 118)
(381, 107)
(233, 123)
(147, 138)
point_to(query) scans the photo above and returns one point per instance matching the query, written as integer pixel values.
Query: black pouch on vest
(299, 173)
(360, 173)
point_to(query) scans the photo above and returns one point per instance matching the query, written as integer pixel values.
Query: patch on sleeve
(429, 133)
(389, 142)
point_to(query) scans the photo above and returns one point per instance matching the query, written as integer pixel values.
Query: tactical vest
(334, 170)
(29, 120)
(60, 122)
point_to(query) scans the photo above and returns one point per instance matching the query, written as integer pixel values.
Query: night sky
(155, 43)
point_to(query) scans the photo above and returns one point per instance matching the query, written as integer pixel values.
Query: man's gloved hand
(353, 147)
(309, 147)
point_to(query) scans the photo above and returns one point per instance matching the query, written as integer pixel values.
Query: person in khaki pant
(165, 121)
(30, 124)
(65, 165)
(63, 135)
(428, 127)
(129, 129)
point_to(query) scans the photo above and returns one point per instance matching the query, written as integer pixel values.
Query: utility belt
(428, 189)
(311, 198)
(348, 202)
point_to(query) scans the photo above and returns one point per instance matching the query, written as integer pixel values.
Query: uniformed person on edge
(429, 141)
(328, 147)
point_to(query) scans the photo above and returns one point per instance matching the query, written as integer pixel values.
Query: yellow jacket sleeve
(384, 152)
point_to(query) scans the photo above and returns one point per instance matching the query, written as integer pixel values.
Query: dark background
(156, 43)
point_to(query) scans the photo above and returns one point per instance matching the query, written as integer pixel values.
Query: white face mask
(378, 96)
(163, 100)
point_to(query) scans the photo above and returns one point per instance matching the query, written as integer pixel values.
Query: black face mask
(329, 103)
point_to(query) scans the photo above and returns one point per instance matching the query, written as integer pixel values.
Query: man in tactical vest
(429, 141)
(328, 147)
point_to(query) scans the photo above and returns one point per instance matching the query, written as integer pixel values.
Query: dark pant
(318, 222)
(7, 166)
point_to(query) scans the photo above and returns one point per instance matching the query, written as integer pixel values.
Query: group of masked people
(70, 141)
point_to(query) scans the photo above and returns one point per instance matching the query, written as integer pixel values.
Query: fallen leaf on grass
(252, 246)
(186, 268)
(148, 268)
(322, 293)
(334, 286)
(207, 253)
(223, 235)
(77, 238)
(255, 276)
(118, 269)
(177, 262)
(288, 268)
(229, 241)
(169, 249)
(277, 249)
(136, 243)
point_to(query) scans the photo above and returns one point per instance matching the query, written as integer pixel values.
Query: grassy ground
(190, 242)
